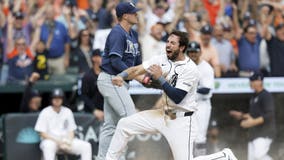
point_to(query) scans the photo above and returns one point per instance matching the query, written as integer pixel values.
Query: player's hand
(248, 122)
(236, 114)
(118, 81)
(99, 114)
(34, 77)
(155, 71)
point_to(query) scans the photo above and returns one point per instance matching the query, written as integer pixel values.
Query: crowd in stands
(50, 37)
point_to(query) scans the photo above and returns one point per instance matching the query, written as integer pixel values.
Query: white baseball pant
(78, 147)
(180, 134)
(258, 149)
(203, 117)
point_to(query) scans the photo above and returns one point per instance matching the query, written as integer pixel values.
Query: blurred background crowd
(56, 37)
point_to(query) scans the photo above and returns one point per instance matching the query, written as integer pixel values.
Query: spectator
(21, 28)
(20, 61)
(56, 126)
(104, 15)
(225, 53)
(275, 48)
(93, 100)
(209, 52)
(214, 8)
(192, 26)
(40, 62)
(249, 43)
(70, 18)
(56, 39)
(260, 120)
(31, 101)
(82, 54)
(152, 43)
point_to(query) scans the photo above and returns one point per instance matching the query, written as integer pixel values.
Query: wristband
(162, 80)
(123, 74)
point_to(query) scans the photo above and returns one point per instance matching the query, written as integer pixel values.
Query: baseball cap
(125, 7)
(193, 47)
(247, 16)
(206, 29)
(96, 52)
(34, 93)
(256, 76)
(18, 15)
(57, 93)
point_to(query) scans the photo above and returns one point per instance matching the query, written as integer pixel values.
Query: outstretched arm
(128, 74)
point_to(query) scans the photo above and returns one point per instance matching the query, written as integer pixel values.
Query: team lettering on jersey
(132, 48)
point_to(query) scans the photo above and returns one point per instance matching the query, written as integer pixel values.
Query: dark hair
(80, 35)
(249, 26)
(183, 38)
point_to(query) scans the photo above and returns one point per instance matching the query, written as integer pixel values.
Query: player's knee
(259, 156)
(48, 146)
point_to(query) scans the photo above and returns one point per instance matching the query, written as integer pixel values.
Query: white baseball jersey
(206, 79)
(187, 78)
(55, 124)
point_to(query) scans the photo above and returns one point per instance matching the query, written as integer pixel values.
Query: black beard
(174, 56)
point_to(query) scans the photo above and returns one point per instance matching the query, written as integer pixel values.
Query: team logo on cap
(131, 4)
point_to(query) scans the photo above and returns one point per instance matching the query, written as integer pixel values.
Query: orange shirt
(15, 53)
(212, 10)
(83, 4)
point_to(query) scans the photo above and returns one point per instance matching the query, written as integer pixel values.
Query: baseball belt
(174, 115)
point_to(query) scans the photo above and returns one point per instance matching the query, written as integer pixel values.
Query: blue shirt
(249, 54)
(60, 38)
(124, 45)
(19, 73)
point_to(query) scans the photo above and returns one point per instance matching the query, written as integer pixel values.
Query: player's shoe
(229, 154)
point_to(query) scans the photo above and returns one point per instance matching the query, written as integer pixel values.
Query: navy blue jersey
(124, 45)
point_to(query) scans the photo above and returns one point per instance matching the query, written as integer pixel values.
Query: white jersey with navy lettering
(206, 79)
(182, 75)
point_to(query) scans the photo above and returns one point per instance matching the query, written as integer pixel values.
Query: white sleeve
(154, 60)
(187, 80)
(207, 78)
(41, 123)
(72, 125)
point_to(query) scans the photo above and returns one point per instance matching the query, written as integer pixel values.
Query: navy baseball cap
(125, 7)
(96, 52)
(18, 15)
(193, 47)
(256, 76)
(206, 29)
(34, 93)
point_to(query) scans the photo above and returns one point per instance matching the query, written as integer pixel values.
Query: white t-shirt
(206, 79)
(187, 79)
(55, 124)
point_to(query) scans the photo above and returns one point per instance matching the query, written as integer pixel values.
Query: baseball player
(178, 77)
(56, 126)
(205, 86)
(260, 120)
(121, 51)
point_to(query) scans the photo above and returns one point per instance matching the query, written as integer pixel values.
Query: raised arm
(179, 12)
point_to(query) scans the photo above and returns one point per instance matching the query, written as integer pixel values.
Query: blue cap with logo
(125, 7)
(256, 76)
